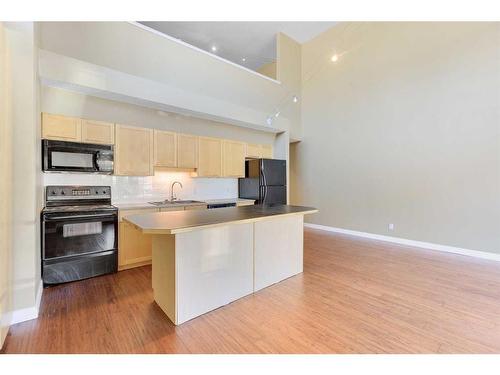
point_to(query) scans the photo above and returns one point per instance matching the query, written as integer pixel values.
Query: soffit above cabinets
(89, 79)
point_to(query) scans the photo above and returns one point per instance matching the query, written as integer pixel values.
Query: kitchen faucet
(172, 195)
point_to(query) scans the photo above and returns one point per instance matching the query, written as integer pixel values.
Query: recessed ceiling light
(335, 58)
(214, 49)
(277, 114)
(243, 59)
(295, 99)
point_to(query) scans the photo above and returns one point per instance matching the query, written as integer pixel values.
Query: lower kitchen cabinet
(134, 248)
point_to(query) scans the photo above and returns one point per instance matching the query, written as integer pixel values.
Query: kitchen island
(205, 259)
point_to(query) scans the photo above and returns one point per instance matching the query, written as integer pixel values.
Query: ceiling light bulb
(295, 99)
(335, 58)
(277, 114)
(243, 59)
(214, 49)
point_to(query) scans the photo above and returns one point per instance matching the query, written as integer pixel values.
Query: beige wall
(403, 129)
(26, 175)
(5, 189)
(288, 72)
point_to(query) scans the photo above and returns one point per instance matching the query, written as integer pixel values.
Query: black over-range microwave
(60, 156)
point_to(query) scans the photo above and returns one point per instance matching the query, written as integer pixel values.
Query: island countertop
(186, 221)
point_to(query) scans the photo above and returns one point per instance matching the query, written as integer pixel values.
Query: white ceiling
(253, 41)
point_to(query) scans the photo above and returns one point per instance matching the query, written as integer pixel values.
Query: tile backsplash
(157, 187)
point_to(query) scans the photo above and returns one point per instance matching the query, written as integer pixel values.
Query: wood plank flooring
(355, 296)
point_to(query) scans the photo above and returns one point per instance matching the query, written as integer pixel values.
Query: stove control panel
(54, 193)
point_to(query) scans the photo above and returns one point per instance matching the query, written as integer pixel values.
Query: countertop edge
(206, 226)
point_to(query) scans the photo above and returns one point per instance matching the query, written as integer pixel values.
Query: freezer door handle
(263, 173)
(263, 193)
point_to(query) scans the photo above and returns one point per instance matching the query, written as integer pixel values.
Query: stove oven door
(78, 246)
(77, 234)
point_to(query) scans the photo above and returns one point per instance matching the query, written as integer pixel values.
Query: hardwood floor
(355, 296)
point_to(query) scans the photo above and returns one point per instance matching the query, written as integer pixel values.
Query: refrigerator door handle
(263, 193)
(263, 173)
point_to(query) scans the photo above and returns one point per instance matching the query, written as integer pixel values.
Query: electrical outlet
(391, 226)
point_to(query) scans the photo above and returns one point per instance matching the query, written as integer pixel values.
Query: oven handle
(57, 218)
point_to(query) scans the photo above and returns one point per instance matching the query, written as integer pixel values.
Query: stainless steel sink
(177, 202)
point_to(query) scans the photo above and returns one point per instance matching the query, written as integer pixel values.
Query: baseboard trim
(28, 313)
(404, 241)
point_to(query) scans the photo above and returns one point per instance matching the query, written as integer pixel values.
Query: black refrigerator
(265, 181)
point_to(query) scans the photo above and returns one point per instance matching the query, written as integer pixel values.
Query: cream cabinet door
(99, 132)
(165, 145)
(187, 151)
(134, 247)
(253, 151)
(267, 152)
(234, 158)
(133, 151)
(209, 157)
(61, 128)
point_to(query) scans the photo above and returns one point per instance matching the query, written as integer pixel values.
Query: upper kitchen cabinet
(134, 151)
(267, 152)
(187, 151)
(99, 132)
(233, 158)
(209, 157)
(165, 149)
(72, 129)
(61, 128)
(254, 151)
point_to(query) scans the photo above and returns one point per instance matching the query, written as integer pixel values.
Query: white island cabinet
(206, 259)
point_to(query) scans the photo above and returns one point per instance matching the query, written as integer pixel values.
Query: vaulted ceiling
(251, 44)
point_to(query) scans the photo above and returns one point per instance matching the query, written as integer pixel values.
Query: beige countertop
(139, 205)
(185, 221)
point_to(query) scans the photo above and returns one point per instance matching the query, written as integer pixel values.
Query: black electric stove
(79, 233)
